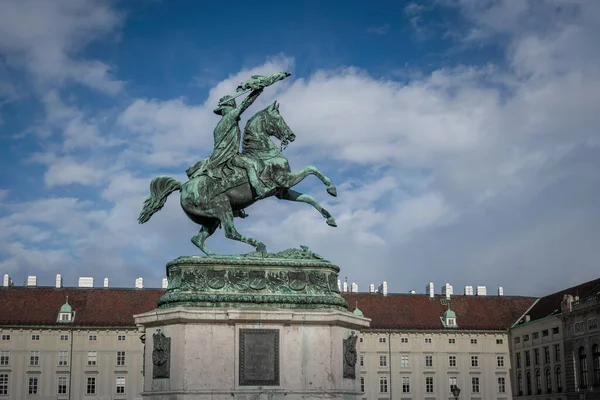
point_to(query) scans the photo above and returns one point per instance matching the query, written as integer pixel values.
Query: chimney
(7, 281)
(481, 291)
(346, 285)
(371, 288)
(86, 282)
(412, 291)
(31, 280)
(500, 291)
(429, 289)
(59, 281)
(354, 288)
(468, 290)
(447, 290)
(383, 288)
(105, 282)
(165, 283)
(527, 318)
(339, 285)
(139, 283)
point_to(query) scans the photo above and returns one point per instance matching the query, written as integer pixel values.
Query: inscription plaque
(259, 357)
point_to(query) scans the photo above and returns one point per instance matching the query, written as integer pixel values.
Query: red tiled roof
(93, 307)
(550, 305)
(116, 307)
(418, 311)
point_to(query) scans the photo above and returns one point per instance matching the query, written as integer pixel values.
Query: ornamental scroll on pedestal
(350, 356)
(161, 356)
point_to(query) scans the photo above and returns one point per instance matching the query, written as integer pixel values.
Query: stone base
(206, 361)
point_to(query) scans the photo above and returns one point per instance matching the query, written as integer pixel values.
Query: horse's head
(276, 126)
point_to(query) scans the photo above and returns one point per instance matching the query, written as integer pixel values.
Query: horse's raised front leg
(232, 233)
(293, 178)
(292, 195)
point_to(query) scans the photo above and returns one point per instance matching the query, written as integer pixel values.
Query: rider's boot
(261, 190)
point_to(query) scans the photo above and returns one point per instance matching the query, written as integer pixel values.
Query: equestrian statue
(222, 186)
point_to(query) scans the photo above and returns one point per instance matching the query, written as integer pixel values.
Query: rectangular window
(536, 335)
(453, 381)
(526, 338)
(91, 385)
(545, 333)
(473, 341)
(383, 384)
(404, 361)
(556, 352)
(404, 340)
(35, 337)
(536, 356)
(3, 384)
(527, 359)
(475, 384)
(120, 358)
(361, 339)
(518, 360)
(4, 357)
(499, 341)
(382, 339)
(34, 358)
(64, 337)
(383, 361)
(92, 337)
(62, 385)
(5, 336)
(429, 384)
(427, 340)
(120, 384)
(362, 384)
(405, 384)
(547, 355)
(33, 385)
(474, 361)
(429, 361)
(452, 361)
(92, 358)
(452, 341)
(63, 358)
(362, 360)
(500, 361)
(555, 330)
(517, 340)
(121, 338)
(501, 384)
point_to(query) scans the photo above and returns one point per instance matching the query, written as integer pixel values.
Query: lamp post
(456, 392)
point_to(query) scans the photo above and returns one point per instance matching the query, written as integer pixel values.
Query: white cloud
(463, 174)
(45, 37)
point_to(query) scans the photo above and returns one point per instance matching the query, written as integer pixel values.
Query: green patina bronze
(296, 279)
(222, 186)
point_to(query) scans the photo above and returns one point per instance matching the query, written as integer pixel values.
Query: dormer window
(66, 313)
(448, 318)
(451, 321)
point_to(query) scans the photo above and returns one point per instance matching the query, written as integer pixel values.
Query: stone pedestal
(244, 328)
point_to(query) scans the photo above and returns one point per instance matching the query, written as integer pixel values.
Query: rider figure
(227, 137)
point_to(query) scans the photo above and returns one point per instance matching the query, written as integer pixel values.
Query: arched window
(583, 371)
(596, 358)
(538, 381)
(520, 384)
(558, 379)
(528, 377)
(548, 377)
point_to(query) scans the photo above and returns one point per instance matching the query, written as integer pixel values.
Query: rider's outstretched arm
(249, 100)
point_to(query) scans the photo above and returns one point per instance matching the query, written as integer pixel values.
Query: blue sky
(462, 135)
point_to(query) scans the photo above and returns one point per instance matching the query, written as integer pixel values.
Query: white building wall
(486, 349)
(106, 370)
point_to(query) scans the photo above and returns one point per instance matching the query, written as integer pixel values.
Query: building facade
(546, 344)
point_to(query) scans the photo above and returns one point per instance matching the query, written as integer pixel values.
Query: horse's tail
(160, 188)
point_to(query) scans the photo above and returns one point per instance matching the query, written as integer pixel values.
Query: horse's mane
(254, 120)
